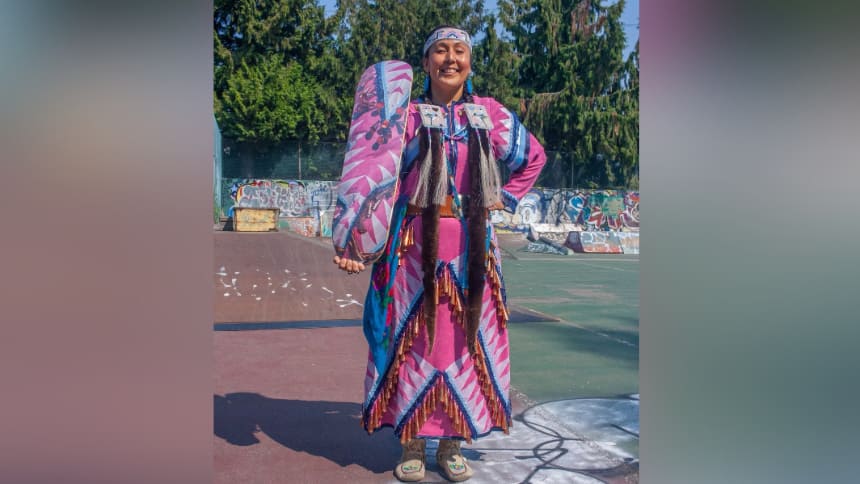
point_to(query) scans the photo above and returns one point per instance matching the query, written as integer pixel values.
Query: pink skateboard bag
(371, 167)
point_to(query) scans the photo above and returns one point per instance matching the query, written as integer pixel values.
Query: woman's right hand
(348, 265)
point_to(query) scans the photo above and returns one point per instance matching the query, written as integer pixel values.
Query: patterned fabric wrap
(447, 392)
(447, 33)
(365, 194)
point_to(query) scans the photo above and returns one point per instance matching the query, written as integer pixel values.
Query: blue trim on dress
(458, 399)
(510, 201)
(409, 155)
(511, 159)
(422, 395)
(376, 389)
(494, 428)
(505, 401)
(416, 402)
(525, 145)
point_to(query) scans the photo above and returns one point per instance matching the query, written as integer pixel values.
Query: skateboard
(371, 167)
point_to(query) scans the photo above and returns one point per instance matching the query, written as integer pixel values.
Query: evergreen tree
(268, 103)
(268, 82)
(271, 102)
(627, 136)
(373, 31)
(250, 30)
(495, 64)
(579, 92)
(283, 72)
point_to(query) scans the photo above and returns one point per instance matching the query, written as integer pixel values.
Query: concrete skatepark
(289, 358)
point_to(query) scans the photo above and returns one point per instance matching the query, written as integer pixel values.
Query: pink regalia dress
(449, 390)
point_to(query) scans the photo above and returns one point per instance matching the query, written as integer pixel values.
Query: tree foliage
(495, 63)
(284, 72)
(250, 31)
(577, 85)
(271, 102)
(370, 31)
(269, 80)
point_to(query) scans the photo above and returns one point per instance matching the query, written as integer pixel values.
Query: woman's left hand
(348, 265)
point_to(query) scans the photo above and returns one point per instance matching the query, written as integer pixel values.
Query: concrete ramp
(629, 242)
(594, 242)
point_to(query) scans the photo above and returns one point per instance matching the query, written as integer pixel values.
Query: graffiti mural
(594, 210)
(326, 217)
(629, 242)
(307, 226)
(321, 195)
(542, 247)
(293, 198)
(550, 230)
(289, 196)
(530, 208)
(630, 217)
(594, 242)
(575, 207)
(605, 210)
(588, 210)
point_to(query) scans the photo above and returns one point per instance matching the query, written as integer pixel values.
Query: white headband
(448, 33)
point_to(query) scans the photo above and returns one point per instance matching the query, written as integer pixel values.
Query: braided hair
(476, 216)
(483, 180)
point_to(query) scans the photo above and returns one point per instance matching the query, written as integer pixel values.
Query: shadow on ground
(326, 429)
(582, 441)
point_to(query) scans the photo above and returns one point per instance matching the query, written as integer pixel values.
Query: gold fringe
(497, 413)
(436, 396)
(496, 287)
(447, 286)
(391, 378)
(439, 394)
(407, 240)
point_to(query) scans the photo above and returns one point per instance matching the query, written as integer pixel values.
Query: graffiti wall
(588, 210)
(595, 242)
(307, 226)
(629, 242)
(544, 248)
(295, 199)
(593, 210)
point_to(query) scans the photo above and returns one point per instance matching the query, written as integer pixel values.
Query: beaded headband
(448, 33)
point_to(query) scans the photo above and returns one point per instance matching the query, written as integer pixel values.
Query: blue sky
(630, 18)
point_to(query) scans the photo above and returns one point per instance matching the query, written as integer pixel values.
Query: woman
(441, 367)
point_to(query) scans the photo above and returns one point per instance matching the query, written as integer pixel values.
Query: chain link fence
(289, 161)
(324, 160)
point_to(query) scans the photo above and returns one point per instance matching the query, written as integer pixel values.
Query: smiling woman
(435, 315)
(448, 64)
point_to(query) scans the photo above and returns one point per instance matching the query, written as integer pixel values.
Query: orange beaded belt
(448, 210)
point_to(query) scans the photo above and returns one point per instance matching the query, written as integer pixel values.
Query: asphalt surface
(289, 360)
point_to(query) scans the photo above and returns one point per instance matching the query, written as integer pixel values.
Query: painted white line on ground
(554, 319)
(603, 267)
(568, 258)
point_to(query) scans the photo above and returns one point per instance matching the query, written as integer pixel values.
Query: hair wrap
(445, 33)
